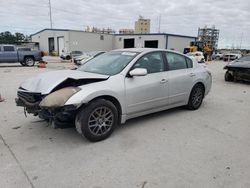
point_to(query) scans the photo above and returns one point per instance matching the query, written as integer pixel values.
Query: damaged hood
(239, 64)
(44, 83)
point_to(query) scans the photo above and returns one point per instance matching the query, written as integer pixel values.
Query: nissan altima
(114, 87)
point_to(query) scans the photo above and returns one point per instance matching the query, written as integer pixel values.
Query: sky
(183, 17)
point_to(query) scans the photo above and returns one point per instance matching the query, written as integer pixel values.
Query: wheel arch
(26, 56)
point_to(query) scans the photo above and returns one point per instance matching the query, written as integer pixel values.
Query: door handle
(163, 81)
(191, 74)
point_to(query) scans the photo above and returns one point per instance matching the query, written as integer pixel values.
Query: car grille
(30, 97)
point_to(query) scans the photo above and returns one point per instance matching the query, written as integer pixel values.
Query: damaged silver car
(114, 87)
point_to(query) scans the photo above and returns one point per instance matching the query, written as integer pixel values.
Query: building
(209, 36)
(126, 31)
(60, 40)
(64, 40)
(142, 25)
(153, 40)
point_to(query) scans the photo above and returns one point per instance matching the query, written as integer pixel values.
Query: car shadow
(138, 121)
(10, 66)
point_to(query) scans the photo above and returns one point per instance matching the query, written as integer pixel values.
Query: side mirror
(138, 72)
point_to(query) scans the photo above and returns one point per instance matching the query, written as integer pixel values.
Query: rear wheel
(29, 61)
(97, 120)
(196, 97)
(229, 77)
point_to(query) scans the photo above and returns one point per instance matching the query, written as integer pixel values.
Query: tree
(9, 38)
(19, 37)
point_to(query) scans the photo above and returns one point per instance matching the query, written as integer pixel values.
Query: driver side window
(153, 62)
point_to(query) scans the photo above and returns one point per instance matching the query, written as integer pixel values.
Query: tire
(196, 97)
(229, 77)
(29, 61)
(90, 121)
(22, 63)
(67, 57)
(217, 58)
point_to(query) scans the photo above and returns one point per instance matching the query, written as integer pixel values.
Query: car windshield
(94, 53)
(245, 58)
(109, 63)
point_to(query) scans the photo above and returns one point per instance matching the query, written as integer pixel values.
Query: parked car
(80, 60)
(238, 69)
(10, 54)
(198, 56)
(231, 56)
(68, 56)
(217, 56)
(114, 87)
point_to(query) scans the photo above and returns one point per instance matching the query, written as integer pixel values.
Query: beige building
(142, 26)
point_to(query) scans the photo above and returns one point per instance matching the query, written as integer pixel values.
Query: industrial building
(60, 40)
(209, 36)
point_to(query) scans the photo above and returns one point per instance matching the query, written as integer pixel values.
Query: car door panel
(180, 77)
(180, 82)
(147, 92)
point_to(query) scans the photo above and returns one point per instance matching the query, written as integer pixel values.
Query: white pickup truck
(10, 54)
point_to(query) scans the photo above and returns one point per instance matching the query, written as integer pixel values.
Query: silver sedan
(114, 87)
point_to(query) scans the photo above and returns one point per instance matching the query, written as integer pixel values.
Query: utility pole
(241, 37)
(159, 27)
(50, 16)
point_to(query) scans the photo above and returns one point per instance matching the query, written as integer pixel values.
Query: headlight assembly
(59, 97)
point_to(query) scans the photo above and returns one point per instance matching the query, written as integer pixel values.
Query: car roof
(140, 50)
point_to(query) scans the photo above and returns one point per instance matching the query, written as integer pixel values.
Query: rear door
(180, 77)
(148, 92)
(9, 54)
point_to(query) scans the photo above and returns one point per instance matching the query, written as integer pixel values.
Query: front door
(60, 44)
(51, 44)
(148, 92)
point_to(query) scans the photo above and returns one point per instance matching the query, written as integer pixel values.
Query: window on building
(176, 61)
(101, 37)
(8, 48)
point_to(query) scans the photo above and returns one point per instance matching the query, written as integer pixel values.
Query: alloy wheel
(100, 121)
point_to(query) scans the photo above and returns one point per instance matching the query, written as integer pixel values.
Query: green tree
(19, 37)
(9, 38)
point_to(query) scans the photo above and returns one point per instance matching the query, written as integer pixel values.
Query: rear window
(8, 48)
(189, 63)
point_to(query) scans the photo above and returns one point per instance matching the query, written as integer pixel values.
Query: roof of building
(167, 34)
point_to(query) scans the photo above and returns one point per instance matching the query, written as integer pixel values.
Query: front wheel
(97, 120)
(29, 61)
(229, 77)
(196, 97)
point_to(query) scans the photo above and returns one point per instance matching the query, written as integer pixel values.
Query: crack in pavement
(17, 161)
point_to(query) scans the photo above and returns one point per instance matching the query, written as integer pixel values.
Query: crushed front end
(49, 107)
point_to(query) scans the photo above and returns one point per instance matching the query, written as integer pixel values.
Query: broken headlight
(59, 98)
